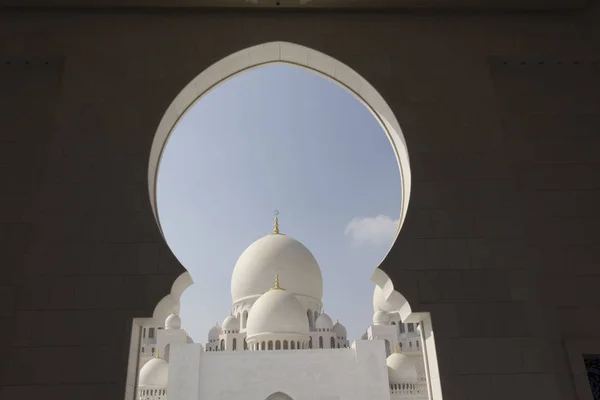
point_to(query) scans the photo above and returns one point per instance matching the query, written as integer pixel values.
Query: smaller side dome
(277, 311)
(381, 318)
(401, 368)
(340, 330)
(324, 323)
(154, 374)
(214, 332)
(231, 323)
(173, 322)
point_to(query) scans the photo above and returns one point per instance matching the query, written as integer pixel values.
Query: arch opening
(287, 53)
(281, 53)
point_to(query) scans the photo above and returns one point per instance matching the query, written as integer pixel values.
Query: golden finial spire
(276, 223)
(397, 349)
(277, 287)
(157, 355)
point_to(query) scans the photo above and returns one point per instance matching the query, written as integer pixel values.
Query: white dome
(276, 254)
(402, 368)
(340, 330)
(277, 311)
(381, 318)
(231, 323)
(173, 322)
(214, 332)
(324, 323)
(154, 374)
(379, 301)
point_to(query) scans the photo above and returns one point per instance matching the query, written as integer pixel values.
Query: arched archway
(244, 319)
(279, 396)
(388, 348)
(330, 68)
(281, 53)
(167, 352)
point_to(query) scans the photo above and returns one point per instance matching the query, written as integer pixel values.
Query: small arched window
(244, 318)
(278, 345)
(153, 351)
(263, 346)
(285, 344)
(245, 344)
(411, 327)
(310, 343)
(234, 344)
(270, 345)
(320, 342)
(293, 345)
(338, 345)
(417, 343)
(222, 344)
(332, 343)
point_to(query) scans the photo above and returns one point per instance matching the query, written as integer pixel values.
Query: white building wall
(355, 373)
(384, 332)
(169, 336)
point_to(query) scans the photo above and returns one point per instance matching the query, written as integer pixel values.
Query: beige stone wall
(500, 243)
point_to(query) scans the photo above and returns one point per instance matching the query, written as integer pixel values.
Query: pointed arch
(330, 68)
(281, 53)
(244, 319)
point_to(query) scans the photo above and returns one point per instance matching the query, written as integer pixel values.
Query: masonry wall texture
(501, 242)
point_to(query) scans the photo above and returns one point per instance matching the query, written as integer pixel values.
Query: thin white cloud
(379, 230)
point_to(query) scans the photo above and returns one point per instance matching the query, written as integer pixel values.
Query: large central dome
(276, 254)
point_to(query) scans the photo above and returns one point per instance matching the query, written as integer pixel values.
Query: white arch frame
(281, 53)
(330, 68)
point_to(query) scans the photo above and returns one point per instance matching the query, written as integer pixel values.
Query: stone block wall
(500, 244)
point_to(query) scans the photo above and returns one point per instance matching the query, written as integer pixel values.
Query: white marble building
(277, 343)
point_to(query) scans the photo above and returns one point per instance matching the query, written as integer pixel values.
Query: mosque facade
(279, 344)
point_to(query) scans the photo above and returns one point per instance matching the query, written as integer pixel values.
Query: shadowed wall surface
(500, 243)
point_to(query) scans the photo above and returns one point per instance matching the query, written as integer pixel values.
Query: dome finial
(277, 287)
(276, 223)
(397, 349)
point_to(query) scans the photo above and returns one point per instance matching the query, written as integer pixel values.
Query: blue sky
(279, 137)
